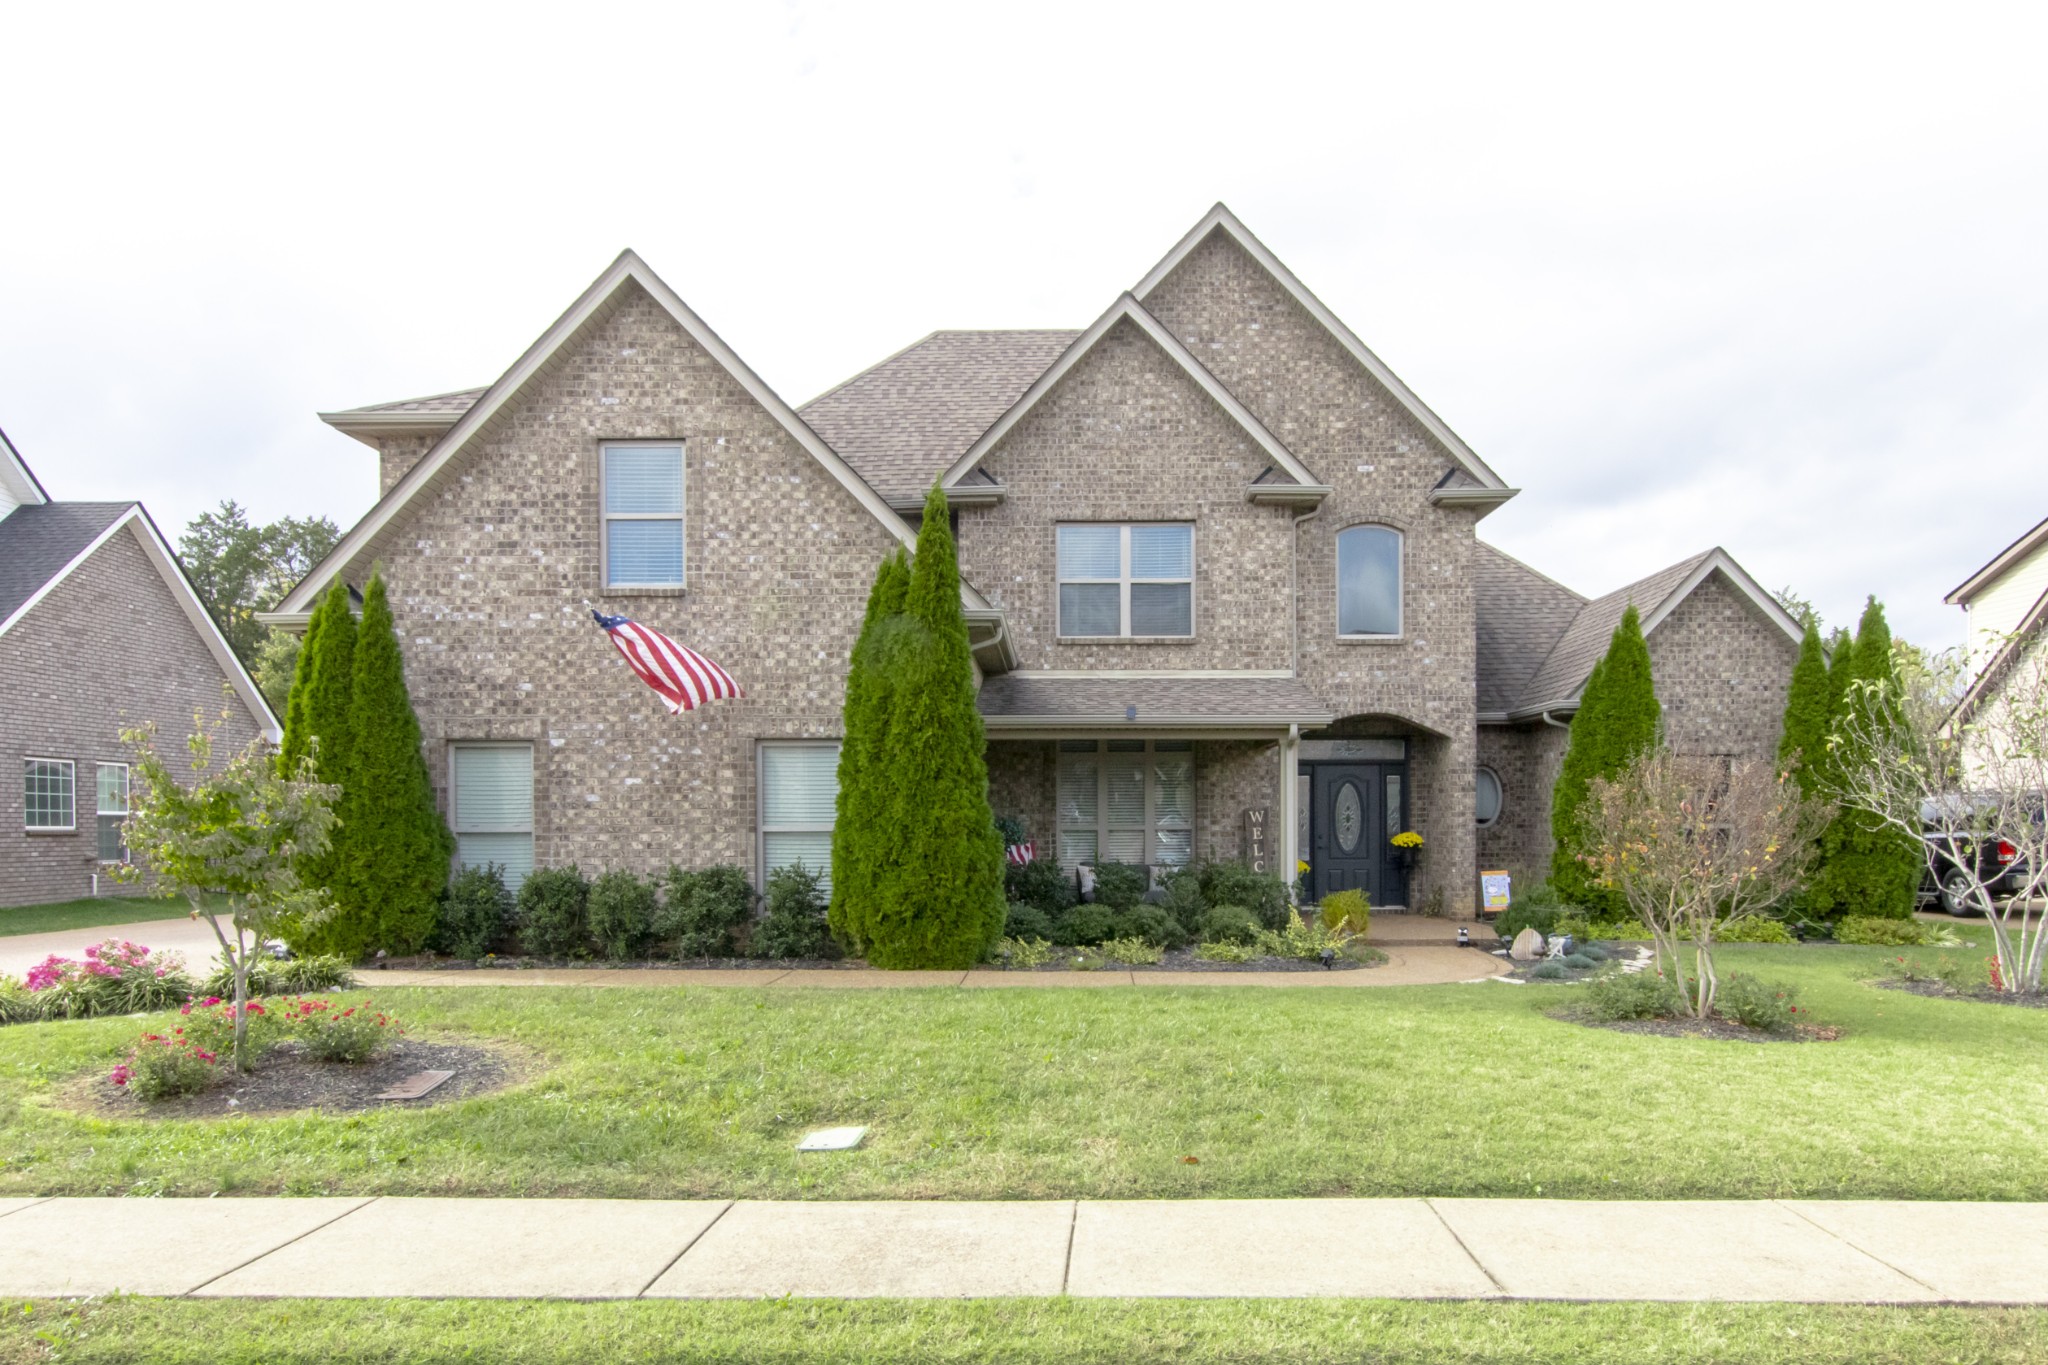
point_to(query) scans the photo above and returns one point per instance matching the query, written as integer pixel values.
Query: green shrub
(1348, 910)
(1024, 920)
(475, 911)
(161, 1067)
(1043, 885)
(620, 914)
(1887, 933)
(1235, 884)
(1619, 931)
(351, 1033)
(1754, 930)
(1182, 899)
(1548, 971)
(1130, 951)
(1085, 925)
(1224, 950)
(1152, 924)
(1579, 962)
(703, 911)
(1590, 950)
(1962, 975)
(1300, 938)
(1631, 995)
(283, 976)
(551, 912)
(1119, 885)
(1528, 912)
(1083, 960)
(1024, 952)
(795, 923)
(1230, 924)
(18, 1004)
(1755, 1004)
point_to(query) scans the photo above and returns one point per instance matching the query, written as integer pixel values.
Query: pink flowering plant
(332, 1032)
(166, 1065)
(114, 977)
(210, 1022)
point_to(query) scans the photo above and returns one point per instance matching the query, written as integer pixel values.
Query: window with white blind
(643, 514)
(799, 801)
(49, 799)
(1369, 581)
(1127, 581)
(113, 809)
(1126, 801)
(493, 799)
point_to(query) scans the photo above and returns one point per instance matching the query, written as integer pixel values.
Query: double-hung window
(113, 809)
(643, 513)
(799, 801)
(1127, 581)
(49, 801)
(1126, 801)
(1369, 582)
(493, 791)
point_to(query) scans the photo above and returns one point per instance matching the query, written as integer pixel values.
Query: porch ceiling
(1016, 703)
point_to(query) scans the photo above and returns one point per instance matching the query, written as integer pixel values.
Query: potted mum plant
(1407, 849)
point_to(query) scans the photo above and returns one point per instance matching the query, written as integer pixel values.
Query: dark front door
(1355, 810)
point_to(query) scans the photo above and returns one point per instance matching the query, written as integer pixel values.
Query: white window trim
(762, 829)
(100, 812)
(1400, 583)
(606, 516)
(1123, 580)
(71, 828)
(1150, 831)
(1500, 806)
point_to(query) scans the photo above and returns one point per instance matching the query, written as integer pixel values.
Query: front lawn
(87, 913)
(1024, 1094)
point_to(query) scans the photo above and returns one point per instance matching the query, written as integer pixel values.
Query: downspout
(1560, 724)
(1294, 590)
(1290, 816)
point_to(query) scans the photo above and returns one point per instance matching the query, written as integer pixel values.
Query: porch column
(1290, 817)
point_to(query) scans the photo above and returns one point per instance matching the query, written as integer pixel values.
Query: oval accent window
(1349, 816)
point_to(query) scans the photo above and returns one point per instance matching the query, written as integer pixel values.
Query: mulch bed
(1716, 1030)
(286, 1081)
(1935, 990)
(1176, 960)
(1184, 960)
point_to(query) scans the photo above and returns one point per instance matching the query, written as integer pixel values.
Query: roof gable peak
(18, 483)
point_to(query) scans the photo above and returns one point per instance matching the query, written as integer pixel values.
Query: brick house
(99, 630)
(1217, 560)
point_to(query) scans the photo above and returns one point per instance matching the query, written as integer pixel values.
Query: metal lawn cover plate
(832, 1140)
(415, 1086)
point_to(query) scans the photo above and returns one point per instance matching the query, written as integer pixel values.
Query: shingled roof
(1023, 701)
(1520, 616)
(38, 542)
(1582, 644)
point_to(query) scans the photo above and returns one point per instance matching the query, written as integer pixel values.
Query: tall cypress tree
(863, 807)
(396, 844)
(328, 661)
(1807, 712)
(297, 730)
(1868, 868)
(939, 892)
(1618, 718)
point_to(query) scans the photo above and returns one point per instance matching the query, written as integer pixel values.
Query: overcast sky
(1770, 279)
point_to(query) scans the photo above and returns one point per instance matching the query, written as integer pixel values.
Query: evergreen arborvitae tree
(1807, 713)
(1618, 718)
(396, 845)
(938, 892)
(328, 663)
(863, 808)
(1867, 868)
(1841, 649)
(297, 730)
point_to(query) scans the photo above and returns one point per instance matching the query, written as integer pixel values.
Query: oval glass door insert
(1349, 817)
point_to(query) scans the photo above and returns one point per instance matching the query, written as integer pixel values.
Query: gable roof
(1556, 683)
(19, 486)
(484, 416)
(41, 546)
(407, 416)
(1128, 309)
(2024, 637)
(2005, 559)
(1519, 614)
(903, 421)
(1221, 219)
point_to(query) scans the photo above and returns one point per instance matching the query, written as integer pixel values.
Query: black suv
(1943, 882)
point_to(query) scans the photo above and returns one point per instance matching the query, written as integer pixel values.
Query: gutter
(1124, 721)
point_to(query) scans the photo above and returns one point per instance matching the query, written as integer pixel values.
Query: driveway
(193, 938)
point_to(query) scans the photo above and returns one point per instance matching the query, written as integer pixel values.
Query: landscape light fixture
(1464, 937)
(1329, 956)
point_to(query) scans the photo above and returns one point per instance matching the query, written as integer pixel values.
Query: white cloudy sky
(1765, 277)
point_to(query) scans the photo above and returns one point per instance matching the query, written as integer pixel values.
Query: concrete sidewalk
(1798, 1251)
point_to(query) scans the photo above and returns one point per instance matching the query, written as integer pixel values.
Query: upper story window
(1369, 581)
(643, 514)
(1127, 581)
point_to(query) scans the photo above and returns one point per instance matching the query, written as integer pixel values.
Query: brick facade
(71, 691)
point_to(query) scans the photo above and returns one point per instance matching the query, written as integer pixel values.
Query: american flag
(683, 677)
(1020, 854)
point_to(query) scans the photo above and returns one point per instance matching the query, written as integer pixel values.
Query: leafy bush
(1347, 910)
(1301, 939)
(1181, 897)
(1119, 885)
(162, 1066)
(1230, 924)
(1632, 995)
(1580, 962)
(1130, 951)
(1528, 912)
(475, 912)
(1084, 925)
(283, 976)
(1225, 950)
(352, 1033)
(1756, 1004)
(1024, 952)
(552, 912)
(1619, 931)
(18, 1004)
(1235, 884)
(209, 1024)
(114, 977)
(620, 914)
(795, 923)
(1754, 930)
(1152, 924)
(1592, 951)
(1958, 974)
(1024, 920)
(704, 910)
(1083, 960)
(1887, 933)
(1042, 885)
(1548, 971)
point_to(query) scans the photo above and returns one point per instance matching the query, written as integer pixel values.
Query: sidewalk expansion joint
(356, 1207)
(686, 1249)
(1484, 1269)
(1796, 1213)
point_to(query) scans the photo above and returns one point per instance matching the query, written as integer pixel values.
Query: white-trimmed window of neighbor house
(642, 483)
(49, 795)
(112, 782)
(1132, 581)
(492, 790)
(1369, 582)
(1126, 801)
(799, 801)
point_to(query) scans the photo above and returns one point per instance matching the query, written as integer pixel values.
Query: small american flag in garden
(683, 677)
(1020, 854)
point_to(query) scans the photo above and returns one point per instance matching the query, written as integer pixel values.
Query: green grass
(1021, 1093)
(1116, 1332)
(87, 913)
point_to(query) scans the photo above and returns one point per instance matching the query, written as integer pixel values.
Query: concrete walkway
(1790, 1251)
(192, 937)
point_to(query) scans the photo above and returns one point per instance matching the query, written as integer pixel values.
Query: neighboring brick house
(99, 630)
(1217, 559)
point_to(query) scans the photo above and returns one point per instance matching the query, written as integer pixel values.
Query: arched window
(1486, 796)
(1369, 581)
